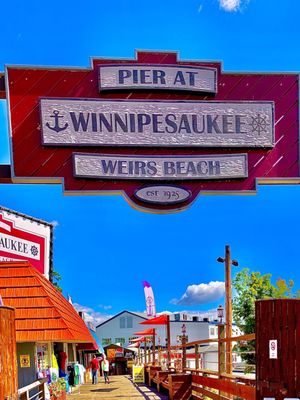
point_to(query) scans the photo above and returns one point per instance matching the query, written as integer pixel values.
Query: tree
(55, 279)
(252, 286)
(249, 287)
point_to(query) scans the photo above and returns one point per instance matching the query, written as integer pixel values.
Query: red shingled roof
(42, 313)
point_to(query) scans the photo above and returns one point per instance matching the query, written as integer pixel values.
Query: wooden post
(221, 350)
(277, 338)
(221, 354)
(168, 342)
(153, 348)
(228, 297)
(183, 342)
(8, 354)
(145, 351)
(196, 356)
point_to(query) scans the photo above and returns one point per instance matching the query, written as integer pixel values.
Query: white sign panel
(26, 239)
(273, 348)
(122, 76)
(157, 123)
(163, 194)
(155, 167)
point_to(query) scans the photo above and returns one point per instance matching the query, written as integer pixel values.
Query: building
(121, 328)
(46, 323)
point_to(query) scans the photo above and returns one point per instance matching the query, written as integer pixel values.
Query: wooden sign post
(8, 354)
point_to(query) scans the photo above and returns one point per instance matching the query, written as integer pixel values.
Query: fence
(187, 374)
(34, 391)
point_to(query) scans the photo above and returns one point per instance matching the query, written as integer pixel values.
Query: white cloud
(200, 8)
(104, 306)
(90, 315)
(54, 223)
(232, 5)
(201, 294)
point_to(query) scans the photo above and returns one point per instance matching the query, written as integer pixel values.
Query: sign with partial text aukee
(156, 129)
(26, 239)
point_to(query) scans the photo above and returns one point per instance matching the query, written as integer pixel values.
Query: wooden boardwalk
(120, 387)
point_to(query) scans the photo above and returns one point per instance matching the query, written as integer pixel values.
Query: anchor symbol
(56, 126)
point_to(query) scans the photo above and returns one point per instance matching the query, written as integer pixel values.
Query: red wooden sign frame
(33, 162)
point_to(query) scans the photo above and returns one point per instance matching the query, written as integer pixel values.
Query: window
(120, 341)
(129, 322)
(126, 322)
(177, 317)
(106, 341)
(122, 322)
(212, 331)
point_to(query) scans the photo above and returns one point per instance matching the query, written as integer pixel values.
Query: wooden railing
(34, 391)
(190, 376)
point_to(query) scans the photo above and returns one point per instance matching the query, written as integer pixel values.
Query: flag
(149, 297)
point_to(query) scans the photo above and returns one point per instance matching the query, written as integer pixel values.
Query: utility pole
(228, 308)
(228, 305)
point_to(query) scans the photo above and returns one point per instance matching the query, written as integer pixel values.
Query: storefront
(120, 359)
(47, 325)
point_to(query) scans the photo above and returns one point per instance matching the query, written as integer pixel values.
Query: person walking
(105, 369)
(95, 369)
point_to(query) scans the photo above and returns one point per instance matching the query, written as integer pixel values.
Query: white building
(121, 328)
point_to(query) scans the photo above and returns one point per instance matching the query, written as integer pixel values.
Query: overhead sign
(158, 130)
(158, 168)
(27, 239)
(144, 123)
(126, 76)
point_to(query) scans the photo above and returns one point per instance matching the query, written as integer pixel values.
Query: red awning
(141, 339)
(146, 332)
(161, 320)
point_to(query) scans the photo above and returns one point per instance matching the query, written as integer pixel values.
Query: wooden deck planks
(120, 387)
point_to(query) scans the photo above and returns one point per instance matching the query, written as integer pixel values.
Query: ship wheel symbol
(259, 124)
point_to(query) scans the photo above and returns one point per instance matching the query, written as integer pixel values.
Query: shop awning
(42, 313)
(146, 332)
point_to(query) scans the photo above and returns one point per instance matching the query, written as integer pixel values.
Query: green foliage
(252, 286)
(55, 279)
(249, 287)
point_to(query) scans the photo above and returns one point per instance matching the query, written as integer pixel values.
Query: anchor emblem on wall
(56, 126)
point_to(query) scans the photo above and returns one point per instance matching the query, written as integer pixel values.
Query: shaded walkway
(120, 387)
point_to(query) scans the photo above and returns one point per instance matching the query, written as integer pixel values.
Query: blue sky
(103, 248)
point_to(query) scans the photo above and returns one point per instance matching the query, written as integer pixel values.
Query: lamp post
(228, 304)
(220, 311)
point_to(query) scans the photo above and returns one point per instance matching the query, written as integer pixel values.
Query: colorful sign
(111, 353)
(158, 130)
(26, 238)
(138, 374)
(25, 361)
